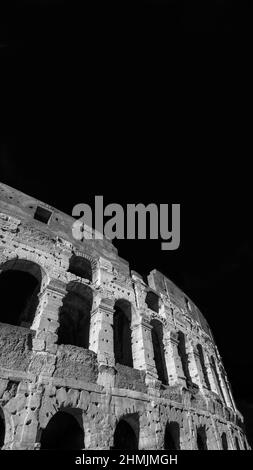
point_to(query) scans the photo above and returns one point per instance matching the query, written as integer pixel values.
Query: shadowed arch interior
(237, 445)
(20, 283)
(201, 438)
(126, 435)
(2, 429)
(224, 441)
(152, 301)
(158, 347)
(184, 357)
(63, 432)
(172, 436)
(74, 316)
(122, 335)
(81, 267)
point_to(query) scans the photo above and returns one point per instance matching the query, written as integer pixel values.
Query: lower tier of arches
(37, 416)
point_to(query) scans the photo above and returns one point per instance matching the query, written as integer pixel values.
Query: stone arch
(170, 414)
(127, 296)
(201, 438)
(64, 430)
(81, 266)
(172, 436)
(74, 315)
(152, 301)
(21, 281)
(29, 265)
(224, 441)
(126, 434)
(122, 333)
(158, 348)
(237, 442)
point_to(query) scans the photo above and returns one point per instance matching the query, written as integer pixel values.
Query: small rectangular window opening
(43, 215)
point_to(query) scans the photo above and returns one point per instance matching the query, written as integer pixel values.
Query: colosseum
(94, 357)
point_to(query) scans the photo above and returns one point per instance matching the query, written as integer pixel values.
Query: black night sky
(80, 119)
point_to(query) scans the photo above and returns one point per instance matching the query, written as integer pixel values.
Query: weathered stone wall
(41, 374)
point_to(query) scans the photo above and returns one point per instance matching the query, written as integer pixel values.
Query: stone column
(151, 429)
(223, 385)
(172, 358)
(142, 347)
(29, 431)
(216, 434)
(230, 440)
(230, 393)
(46, 322)
(192, 428)
(101, 339)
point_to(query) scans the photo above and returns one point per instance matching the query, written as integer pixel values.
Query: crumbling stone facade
(93, 357)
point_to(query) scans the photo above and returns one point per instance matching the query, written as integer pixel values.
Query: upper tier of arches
(169, 354)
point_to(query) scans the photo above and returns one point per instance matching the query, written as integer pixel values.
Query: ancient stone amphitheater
(92, 356)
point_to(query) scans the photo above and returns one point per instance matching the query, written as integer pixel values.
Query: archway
(125, 437)
(172, 436)
(184, 357)
(20, 282)
(64, 431)
(122, 335)
(203, 365)
(74, 316)
(2, 429)
(224, 441)
(201, 438)
(237, 445)
(158, 348)
(81, 267)
(152, 301)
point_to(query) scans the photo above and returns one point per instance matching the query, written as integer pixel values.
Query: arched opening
(203, 365)
(20, 283)
(187, 304)
(2, 429)
(122, 335)
(64, 431)
(126, 435)
(152, 301)
(237, 444)
(184, 357)
(224, 441)
(158, 347)
(172, 436)
(74, 316)
(201, 438)
(81, 267)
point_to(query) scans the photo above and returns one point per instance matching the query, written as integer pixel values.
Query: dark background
(180, 15)
(83, 116)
